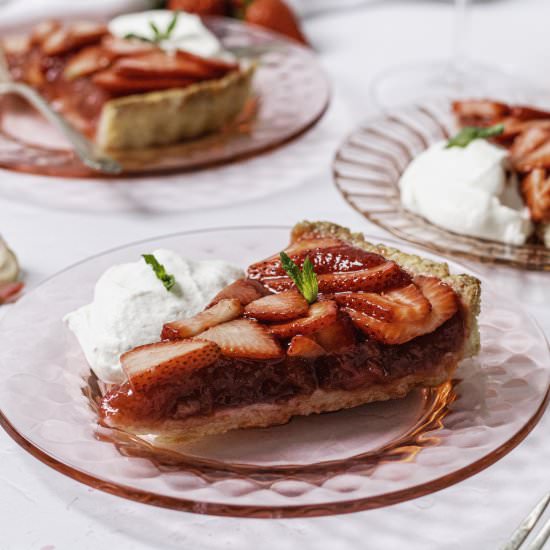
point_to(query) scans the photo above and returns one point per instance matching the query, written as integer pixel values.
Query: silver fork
(88, 152)
(527, 525)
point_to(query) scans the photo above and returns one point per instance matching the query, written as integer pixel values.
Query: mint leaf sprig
(166, 279)
(471, 133)
(158, 35)
(305, 279)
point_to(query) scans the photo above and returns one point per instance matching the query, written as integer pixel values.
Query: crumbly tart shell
(169, 116)
(261, 415)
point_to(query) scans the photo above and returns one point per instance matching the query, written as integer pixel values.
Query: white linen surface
(42, 509)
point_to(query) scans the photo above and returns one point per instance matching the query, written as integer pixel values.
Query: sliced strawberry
(10, 291)
(15, 44)
(444, 304)
(222, 312)
(87, 61)
(402, 304)
(302, 346)
(75, 36)
(535, 187)
(529, 113)
(110, 81)
(336, 336)
(218, 65)
(284, 306)
(375, 279)
(162, 362)
(272, 265)
(475, 112)
(244, 290)
(527, 144)
(120, 47)
(43, 30)
(330, 259)
(244, 339)
(537, 158)
(320, 315)
(162, 65)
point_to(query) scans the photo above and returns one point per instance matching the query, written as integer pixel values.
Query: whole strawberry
(201, 7)
(272, 14)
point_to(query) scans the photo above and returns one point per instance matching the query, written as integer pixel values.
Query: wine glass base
(410, 83)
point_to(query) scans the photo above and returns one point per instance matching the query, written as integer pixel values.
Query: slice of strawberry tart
(331, 323)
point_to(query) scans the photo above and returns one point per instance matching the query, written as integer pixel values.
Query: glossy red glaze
(353, 359)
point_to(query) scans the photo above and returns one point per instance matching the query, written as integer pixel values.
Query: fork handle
(84, 148)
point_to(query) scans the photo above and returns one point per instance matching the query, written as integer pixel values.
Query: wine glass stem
(460, 35)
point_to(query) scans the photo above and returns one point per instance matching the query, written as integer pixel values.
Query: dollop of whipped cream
(465, 190)
(189, 33)
(131, 305)
(9, 267)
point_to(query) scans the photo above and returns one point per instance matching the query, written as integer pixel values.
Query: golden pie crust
(169, 116)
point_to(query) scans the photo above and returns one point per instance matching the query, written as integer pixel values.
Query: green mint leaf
(304, 279)
(132, 35)
(470, 133)
(171, 25)
(158, 35)
(166, 279)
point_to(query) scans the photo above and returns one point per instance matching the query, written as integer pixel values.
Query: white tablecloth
(41, 509)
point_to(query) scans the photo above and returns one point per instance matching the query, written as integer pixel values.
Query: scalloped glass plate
(290, 94)
(362, 458)
(367, 168)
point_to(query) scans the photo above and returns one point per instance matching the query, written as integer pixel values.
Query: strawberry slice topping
(121, 47)
(374, 279)
(284, 306)
(162, 362)
(87, 61)
(319, 316)
(535, 187)
(222, 312)
(76, 35)
(217, 65)
(327, 259)
(302, 346)
(244, 290)
(245, 339)
(110, 81)
(161, 65)
(443, 303)
(337, 336)
(42, 30)
(401, 304)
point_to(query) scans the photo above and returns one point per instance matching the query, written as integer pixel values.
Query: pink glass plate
(366, 457)
(290, 95)
(368, 165)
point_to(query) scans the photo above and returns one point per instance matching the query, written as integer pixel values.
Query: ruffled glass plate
(362, 458)
(290, 94)
(367, 168)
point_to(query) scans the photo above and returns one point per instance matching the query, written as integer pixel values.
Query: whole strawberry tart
(145, 79)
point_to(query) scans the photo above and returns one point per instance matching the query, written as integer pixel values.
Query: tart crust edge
(168, 116)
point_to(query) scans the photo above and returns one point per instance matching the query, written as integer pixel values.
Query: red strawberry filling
(372, 323)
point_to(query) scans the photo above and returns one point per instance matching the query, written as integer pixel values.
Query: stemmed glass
(457, 77)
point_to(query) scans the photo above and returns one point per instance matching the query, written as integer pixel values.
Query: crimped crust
(267, 414)
(165, 117)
